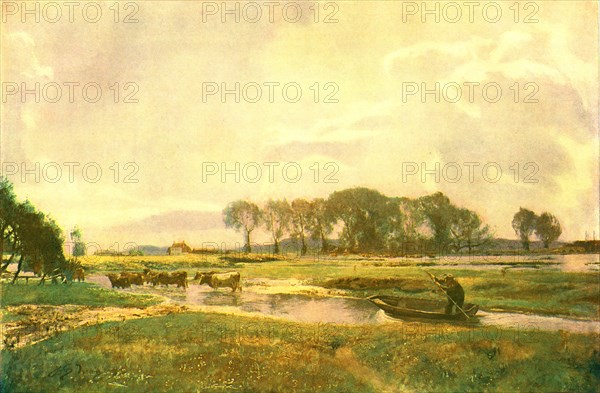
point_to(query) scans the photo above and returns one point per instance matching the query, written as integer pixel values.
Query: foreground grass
(77, 294)
(197, 352)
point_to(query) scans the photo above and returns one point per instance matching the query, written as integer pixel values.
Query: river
(334, 310)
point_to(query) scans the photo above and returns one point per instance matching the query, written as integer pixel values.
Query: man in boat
(456, 294)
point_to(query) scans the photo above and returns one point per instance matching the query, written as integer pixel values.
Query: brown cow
(134, 278)
(216, 280)
(79, 275)
(150, 276)
(118, 282)
(160, 278)
(179, 278)
(175, 278)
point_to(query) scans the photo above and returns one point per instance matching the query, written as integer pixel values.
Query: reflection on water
(538, 322)
(298, 308)
(566, 263)
(304, 308)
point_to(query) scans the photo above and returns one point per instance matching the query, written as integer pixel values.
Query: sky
(331, 95)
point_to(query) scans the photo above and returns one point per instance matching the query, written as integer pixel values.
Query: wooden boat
(398, 307)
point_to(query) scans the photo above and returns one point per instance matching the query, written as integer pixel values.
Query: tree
(78, 244)
(35, 238)
(27, 226)
(53, 260)
(438, 213)
(320, 222)
(413, 219)
(404, 224)
(277, 218)
(301, 209)
(524, 223)
(547, 228)
(467, 231)
(364, 214)
(242, 215)
(8, 205)
(394, 227)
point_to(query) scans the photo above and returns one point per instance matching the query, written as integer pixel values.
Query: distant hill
(153, 250)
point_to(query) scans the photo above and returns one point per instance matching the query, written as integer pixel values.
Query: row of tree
(30, 236)
(369, 221)
(545, 226)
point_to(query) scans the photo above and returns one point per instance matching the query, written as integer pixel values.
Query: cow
(150, 276)
(134, 278)
(79, 275)
(217, 280)
(175, 278)
(160, 278)
(179, 278)
(118, 282)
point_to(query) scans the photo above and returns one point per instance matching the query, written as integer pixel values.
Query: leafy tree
(467, 230)
(277, 216)
(404, 224)
(524, 223)
(301, 213)
(547, 228)
(320, 222)
(8, 206)
(35, 238)
(394, 227)
(364, 214)
(53, 260)
(242, 215)
(413, 219)
(25, 225)
(438, 213)
(78, 244)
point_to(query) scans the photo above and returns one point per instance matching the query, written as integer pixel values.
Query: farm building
(178, 248)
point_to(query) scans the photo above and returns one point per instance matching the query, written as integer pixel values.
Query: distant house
(178, 248)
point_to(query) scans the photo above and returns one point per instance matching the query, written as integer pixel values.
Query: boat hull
(421, 309)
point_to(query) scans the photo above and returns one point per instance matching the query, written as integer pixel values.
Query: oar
(446, 293)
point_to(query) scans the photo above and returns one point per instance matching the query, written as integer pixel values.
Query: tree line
(33, 239)
(369, 221)
(545, 226)
(373, 222)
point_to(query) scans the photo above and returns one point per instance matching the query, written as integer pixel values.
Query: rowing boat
(398, 307)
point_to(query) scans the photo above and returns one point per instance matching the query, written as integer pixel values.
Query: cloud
(369, 133)
(173, 222)
(362, 120)
(20, 48)
(511, 56)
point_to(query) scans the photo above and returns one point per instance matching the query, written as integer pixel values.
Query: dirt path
(37, 323)
(347, 359)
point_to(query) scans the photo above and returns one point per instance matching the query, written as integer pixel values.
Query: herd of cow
(213, 279)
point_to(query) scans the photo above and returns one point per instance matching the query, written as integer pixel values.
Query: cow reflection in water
(217, 280)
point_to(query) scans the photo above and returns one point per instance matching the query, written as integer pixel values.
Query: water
(577, 263)
(297, 308)
(538, 322)
(337, 310)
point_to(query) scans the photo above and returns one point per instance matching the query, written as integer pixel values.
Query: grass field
(200, 352)
(123, 341)
(77, 293)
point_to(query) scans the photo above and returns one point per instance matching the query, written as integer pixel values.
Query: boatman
(456, 294)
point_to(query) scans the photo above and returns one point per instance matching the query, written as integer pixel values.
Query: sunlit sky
(375, 136)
